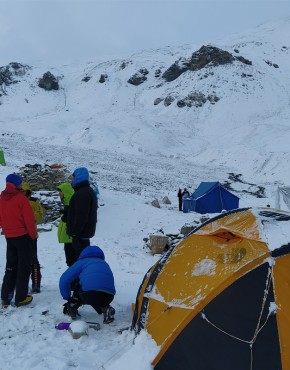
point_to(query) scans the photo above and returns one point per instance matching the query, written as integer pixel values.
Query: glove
(65, 311)
(71, 304)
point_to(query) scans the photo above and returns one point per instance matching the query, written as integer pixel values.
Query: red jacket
(16, 214)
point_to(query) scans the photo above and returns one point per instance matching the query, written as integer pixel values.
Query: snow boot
(109, 315)
(25, 301)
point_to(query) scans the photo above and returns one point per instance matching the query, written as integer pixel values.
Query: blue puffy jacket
(93, 272)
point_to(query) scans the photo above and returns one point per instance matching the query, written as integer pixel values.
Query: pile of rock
(43, 180)
(159, 242)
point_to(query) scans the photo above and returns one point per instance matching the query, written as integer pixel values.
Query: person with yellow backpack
(39, 218)
(66, 191)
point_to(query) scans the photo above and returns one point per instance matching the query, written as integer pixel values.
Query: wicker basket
(158, 243)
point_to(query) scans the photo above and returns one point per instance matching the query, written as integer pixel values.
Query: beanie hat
(14, 179)
(25, 186)
(80, 174)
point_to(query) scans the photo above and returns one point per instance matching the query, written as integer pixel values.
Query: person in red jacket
(18, 226)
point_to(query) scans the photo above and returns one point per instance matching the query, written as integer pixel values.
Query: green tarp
(2, 159)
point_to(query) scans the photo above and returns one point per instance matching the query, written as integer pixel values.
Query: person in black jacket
(82, 211)
(179, 195)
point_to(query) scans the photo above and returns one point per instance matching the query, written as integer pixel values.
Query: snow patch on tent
(277, 233)
(273, 308)
(205, 267)
(177, 302)
(270, 261)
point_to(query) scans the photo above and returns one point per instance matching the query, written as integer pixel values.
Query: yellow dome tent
(220, 300)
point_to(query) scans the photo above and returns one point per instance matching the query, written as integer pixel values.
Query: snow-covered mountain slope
(234, 114)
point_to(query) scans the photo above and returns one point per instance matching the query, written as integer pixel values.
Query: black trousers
(97, 299)
(79, 245)
(18, 268)
(70, 254)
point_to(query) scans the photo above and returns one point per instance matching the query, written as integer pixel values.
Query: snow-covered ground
(139, 151)
(28, 338)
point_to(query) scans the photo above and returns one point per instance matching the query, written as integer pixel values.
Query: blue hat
(80, 174)
(14, 179)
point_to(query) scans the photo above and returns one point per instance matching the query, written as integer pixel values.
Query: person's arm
(67, 278)
(39, 214)
(28, 216)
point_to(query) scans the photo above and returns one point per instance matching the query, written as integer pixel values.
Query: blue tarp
(211, 197)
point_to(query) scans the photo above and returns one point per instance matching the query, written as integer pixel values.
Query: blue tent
(212, 197)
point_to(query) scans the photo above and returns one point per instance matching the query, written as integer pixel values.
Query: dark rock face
(12, 70)
(103, 78)
(139, 77)
(271, 64)
(205, 56)
(157, 101)
(168, 100)
(48, 82)
(196, 99)
(86, 79)
(175, 70)
(244, 60)
(209, 55)
(157, 73)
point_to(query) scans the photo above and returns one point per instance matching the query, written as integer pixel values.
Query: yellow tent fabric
(201, 267)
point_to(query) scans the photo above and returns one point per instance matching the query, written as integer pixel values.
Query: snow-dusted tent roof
(220, 298)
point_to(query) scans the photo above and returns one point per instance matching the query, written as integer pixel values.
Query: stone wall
(43, 180)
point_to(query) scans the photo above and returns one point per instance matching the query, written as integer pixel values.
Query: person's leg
(71, 307)
(35, 269)
(100, 301)
(79, 245)
(70, 254)
(9, 279)
(24, 253)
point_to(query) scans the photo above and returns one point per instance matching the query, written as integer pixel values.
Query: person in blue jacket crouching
(95, 284)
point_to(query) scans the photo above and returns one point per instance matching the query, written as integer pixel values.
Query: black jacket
(82, 211)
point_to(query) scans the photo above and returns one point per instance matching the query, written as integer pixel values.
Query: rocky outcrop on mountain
(86, 79)
(139, 77)
(197, 99)
(9, 75)
(48, 82)
(103, 78)
(271, 64)
(205, 56)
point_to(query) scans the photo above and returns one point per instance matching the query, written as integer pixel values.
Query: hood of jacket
(67, 191)
(92, 251)
(10, 191)
(80, 174)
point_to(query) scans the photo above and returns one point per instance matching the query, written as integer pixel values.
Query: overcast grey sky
(69, 30)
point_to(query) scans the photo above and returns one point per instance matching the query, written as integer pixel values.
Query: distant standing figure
(38, 217)
(65, 191)
(179, 195)
(185, 194)
(82, 211)
(94, 185)
(18, 226)
(96, 284)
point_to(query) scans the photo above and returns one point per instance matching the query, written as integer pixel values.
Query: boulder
(48, 82)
